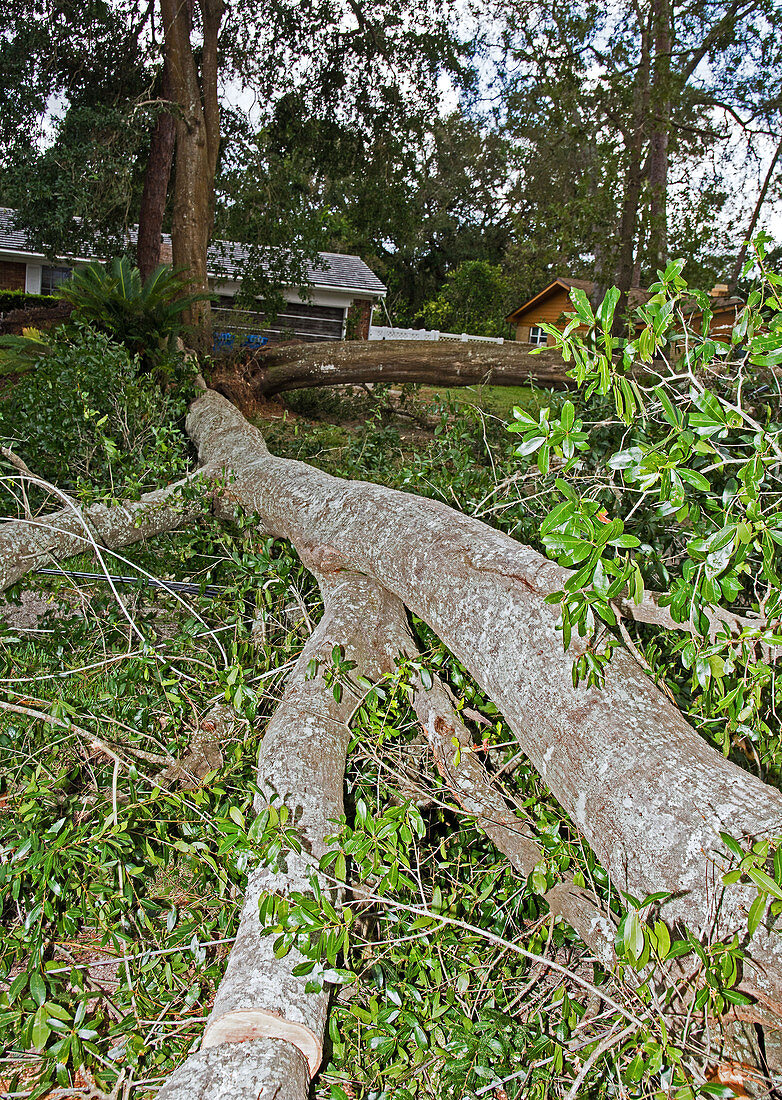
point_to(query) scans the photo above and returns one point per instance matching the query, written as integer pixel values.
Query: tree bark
(241, 1071)
(197, 140)
(336, 363)
(631, 198)
(302, 766)
(659, 134)
(156, 179)
(649, 795)
(27, 544)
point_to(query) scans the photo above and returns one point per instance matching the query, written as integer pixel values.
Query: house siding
(550, 310)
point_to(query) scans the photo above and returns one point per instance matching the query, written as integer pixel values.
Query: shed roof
(225, 259)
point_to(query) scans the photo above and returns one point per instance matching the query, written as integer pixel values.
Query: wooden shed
(553, 303)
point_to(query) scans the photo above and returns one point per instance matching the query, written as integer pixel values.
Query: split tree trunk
(647, 792)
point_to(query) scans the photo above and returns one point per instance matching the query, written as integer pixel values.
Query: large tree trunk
(631, 197)
(659, 135)
(648, 793)
(156, 178)
(335, 363)
(197, 139)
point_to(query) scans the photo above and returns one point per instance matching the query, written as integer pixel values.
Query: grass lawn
(495, 400)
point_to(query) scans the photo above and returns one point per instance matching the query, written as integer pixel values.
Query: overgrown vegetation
(121, 883)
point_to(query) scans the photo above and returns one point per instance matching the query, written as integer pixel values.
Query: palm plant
(146, 316)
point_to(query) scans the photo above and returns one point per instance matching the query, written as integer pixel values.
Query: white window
(537, 336)
(53, 277)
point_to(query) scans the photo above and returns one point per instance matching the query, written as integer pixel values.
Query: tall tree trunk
(735, 275)
(631, 198)
(156, 180)
(197, 141)
(659, 134)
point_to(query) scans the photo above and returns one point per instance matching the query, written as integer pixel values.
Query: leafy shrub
(679, 492)
(20, 299)
(83, 418)
(144, 316)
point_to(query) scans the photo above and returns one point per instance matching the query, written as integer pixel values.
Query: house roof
(225, 259)
(331, 269)
(637, 295)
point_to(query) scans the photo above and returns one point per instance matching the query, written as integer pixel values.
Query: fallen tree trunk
(649, 795)
(301, 767)
(647, 792)
(446, 363)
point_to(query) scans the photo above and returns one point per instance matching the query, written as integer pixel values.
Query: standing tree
(648, 86)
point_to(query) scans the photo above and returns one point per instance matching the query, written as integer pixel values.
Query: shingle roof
(335, 269)
(331, 269)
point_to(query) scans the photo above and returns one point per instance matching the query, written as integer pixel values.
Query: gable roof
(636, 296)
(225, 259)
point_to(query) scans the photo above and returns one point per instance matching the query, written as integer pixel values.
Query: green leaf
(732, 845)
(764, 881)
(37, 988)
(605, 312)
(694, 478)
(41, 1030)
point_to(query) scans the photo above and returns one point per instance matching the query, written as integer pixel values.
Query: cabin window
(537, 336)
(53, 277)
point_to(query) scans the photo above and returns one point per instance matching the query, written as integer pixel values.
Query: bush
(20, 299)
(474, 299)
(83, 418)
(144, 316)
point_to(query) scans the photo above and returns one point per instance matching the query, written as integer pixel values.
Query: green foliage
(19, 354)
(432, 997)
(686, 498)
(20, 299)
(103, 858)
(144, 316)
(474, 299)
(84, 419)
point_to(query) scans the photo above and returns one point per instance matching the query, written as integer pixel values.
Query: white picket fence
(382, 332)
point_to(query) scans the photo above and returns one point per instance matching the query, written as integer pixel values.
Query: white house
(340, 294)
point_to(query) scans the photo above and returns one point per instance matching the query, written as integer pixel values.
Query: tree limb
(648, 793)
(29, 543)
